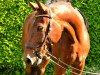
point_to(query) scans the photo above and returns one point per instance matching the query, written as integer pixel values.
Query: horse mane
(85, 20)
(48, 2)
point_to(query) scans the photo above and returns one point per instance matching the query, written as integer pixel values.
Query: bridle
(46, 33)
(47, 29)
(46, 38)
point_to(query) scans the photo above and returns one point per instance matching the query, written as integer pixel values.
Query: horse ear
(41, 7)
(33, 5)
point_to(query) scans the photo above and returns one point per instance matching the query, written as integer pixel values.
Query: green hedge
(12, 16)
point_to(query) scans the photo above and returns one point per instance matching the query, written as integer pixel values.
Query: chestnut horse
(58, 29)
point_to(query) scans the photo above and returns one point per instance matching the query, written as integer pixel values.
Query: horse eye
(40, 28)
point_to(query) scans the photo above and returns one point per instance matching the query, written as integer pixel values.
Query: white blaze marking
(33, 60)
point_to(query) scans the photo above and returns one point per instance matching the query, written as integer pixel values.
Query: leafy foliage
(12, 16)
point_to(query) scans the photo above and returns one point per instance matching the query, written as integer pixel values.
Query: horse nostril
(28, 61)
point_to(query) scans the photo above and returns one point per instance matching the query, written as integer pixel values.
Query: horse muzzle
(35, 54)
(34, 61)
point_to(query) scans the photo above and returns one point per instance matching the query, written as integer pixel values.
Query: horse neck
(71, 15)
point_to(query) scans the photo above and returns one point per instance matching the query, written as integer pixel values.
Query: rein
(59, 61)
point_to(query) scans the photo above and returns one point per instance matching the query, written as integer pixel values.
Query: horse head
(42, 31)
(37, 33)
